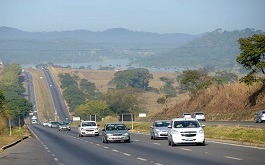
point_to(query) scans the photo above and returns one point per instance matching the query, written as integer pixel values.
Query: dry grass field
(102, 77)
(235, 101)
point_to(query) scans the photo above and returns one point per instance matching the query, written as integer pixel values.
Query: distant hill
(77, 46)
(115, 35)
(217, 49)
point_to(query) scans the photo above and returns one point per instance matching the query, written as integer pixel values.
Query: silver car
(115, 132)
(260, 116)
(64, 125)
(159, 129)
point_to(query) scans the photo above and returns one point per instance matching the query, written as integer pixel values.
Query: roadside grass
(16, 134)
(240, 134)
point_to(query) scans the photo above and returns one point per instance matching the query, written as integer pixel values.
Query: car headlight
(174, 131)
(108, 134)
(125, 134)
(201, 131)
(157, 130)
(96, 129)
(82, 129)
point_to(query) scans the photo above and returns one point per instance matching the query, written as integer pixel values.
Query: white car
(88, 128)
(185, 131)
(199, 116)
(186, 115)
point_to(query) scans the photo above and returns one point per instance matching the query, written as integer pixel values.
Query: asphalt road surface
(67, 149)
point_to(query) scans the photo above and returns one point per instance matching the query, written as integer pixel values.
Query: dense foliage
(134, 78)
(216, 50)
(195, 80)
(13, 104)
(252, 56)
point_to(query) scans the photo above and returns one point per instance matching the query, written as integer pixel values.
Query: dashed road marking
(157, 144)
(185, 149)
(234, 158)
(114, 150)
(126, 154)
(142, 159)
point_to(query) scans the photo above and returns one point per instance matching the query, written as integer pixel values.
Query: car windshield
(111, 127)
(88, 124)
(55, 122)
(162, 124)
(199, 113)
(186, 124)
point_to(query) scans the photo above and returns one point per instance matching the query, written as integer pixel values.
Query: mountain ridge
(113, 35)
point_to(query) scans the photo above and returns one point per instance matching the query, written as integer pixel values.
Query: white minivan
(185, 130)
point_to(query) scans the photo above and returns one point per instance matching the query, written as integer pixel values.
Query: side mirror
(98, 125)
(169, 126)
(103, 130)
(128, 129)
(151, 127)
(203, 125)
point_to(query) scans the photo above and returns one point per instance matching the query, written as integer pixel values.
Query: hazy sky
(159, 16)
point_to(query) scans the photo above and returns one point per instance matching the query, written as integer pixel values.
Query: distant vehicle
(260, 116)
(185, 131)
(34, 122)
(186, 115)
(115, 132)
(199, 116)
(64, 125)
(159, 129)
(53, 124)
(45, 123)
(88, 128)
(34, 118)
(31, 114)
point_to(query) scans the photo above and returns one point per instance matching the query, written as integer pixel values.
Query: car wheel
(69, 129)
(104, 140)
(201, 144)
(172, 144)
(59, 130)
(169, 142)
(127, 141)
(152, 137)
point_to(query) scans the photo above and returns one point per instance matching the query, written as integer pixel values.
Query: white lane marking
(136, 140)
(185, 149)
(229, 157)
(106, 147)
(56, 159)
(126, 154)
(157, 144)
(142, 159)
(238, 145)
(158, 164)
(114, 150)
(98, 144)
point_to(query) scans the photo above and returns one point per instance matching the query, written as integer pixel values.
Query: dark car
(64, 125)
(260, 116)
(115, 132)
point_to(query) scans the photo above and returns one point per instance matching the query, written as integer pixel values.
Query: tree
(94, 107)
(67, 80)
(194, 80)
(122, 101)
(252, 56)
(225, 77)
(135, 78)
(169, 89)
(88, 87)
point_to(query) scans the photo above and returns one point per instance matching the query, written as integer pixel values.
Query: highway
(59, 105)
(67, 149)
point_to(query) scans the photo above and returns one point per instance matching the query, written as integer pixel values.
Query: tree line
(12, 103)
